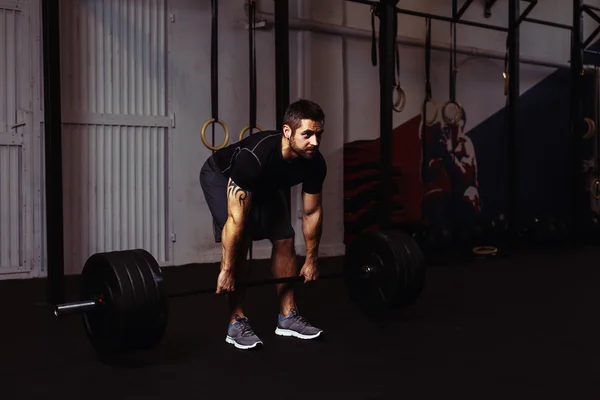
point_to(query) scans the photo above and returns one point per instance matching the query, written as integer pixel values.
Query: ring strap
(214, 65)
(428, 60)
(596, 122)
(374, 12)
(252, 61)
(453, 67)
(427, 97)
(397, 60)
(506, 77)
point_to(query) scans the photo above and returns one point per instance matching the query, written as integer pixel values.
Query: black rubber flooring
(521, 327)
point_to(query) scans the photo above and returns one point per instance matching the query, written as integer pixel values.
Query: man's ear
(287, 131)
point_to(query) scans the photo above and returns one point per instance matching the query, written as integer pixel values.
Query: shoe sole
(288, 333)
(232, 341)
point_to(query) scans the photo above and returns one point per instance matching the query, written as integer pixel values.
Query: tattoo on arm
(234, 190)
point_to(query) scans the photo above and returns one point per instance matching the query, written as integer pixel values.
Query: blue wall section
(544, 166)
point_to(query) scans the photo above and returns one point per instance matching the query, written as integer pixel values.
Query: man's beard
(300, 152)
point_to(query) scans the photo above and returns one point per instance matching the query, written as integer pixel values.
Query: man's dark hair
(303, 109)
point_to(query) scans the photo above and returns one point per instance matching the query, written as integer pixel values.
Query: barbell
(125, 307)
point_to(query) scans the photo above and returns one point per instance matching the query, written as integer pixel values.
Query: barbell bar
(94, 304)
(125, 307)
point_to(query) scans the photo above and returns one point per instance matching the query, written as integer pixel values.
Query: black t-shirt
(256, 164)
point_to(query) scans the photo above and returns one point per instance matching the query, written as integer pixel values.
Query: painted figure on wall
(449, 174)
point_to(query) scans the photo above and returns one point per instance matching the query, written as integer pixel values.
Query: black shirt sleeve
(314, 182)
(246, 170)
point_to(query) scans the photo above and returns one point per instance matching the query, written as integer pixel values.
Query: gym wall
(544, 121)
(133, 109)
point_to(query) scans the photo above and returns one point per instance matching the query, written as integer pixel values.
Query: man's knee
(284, 245)
(471, 197)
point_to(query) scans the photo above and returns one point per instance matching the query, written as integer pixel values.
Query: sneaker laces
(299, 318)
(245, 328)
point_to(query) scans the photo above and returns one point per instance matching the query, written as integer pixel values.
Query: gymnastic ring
(594, 185)
(432, 120)
(400, 101)
(485, 250)
(591, 128)
(457, 117)
(506, 83)
(203, 134)
(247, 128)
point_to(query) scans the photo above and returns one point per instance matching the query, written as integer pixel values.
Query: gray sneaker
(297, 326)
(241, 335)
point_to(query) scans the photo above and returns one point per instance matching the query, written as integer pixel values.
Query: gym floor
(525, 326)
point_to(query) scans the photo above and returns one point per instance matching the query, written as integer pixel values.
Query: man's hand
(225, 281)
(446, 139)
(309, 271)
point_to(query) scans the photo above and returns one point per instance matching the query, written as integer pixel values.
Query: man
(461, 166)
(436, 182)
(243, 185)
(451, 188)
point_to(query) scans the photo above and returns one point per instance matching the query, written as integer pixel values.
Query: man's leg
(471, 200)
(236, 298)
(283, 264)
(239, 332)
(214, 186)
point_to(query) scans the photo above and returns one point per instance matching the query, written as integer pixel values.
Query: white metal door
(16, 191)
(115, 128)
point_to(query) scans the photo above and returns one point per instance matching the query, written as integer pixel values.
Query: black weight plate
(107, 329)
(157, 318)
(404, 257)
(133, 317)
(408, 254)
(137, 324)
(380, 290)
(416, 262)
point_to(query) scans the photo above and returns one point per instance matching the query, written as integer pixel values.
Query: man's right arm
(238, 206)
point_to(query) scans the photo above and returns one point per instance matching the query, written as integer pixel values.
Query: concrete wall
(336, 72)
(331, 69)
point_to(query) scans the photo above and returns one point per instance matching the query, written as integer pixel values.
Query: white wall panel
(16, 239)
(115, 196)
(11, 235)
(116, 125)
(113, 57)
(11, 208)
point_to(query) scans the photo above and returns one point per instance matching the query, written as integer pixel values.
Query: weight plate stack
(134, 315)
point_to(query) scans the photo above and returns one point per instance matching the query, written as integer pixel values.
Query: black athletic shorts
(270, 217)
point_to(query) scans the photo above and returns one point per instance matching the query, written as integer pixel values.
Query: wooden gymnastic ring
(432, 120)
(247, 128)
(457, 117)
(591, 128)
(485, 250)
(203, 134)
(594, 185)
(400, 101)
(506, 78)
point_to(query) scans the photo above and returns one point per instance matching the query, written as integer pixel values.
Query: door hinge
(172, 17)
(172, 117)
(173, 237)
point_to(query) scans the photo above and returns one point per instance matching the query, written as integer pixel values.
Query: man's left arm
(312, 225)
(461, 165)
(312, 220)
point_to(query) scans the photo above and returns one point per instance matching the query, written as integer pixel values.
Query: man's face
(305, 141)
